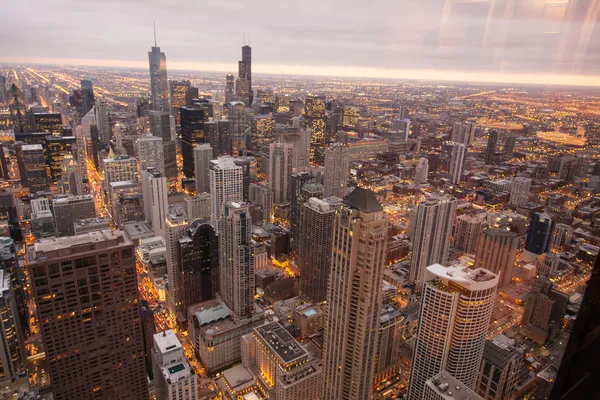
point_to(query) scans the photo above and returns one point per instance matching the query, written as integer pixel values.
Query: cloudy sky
(374, 38)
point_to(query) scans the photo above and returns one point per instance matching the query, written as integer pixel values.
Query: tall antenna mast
(154, 25)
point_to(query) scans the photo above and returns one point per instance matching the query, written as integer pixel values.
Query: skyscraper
(236, 266)
(244, 81)
(182, 93)
(150, 153)
(104, 131)
(225, 186)
(68, 209)
(422, 171)
(203, 153)
(500, 369)
(314, 247)
(192, 133)
(86, 296)
(297, 182)
(456, 308)
(160, 126)
(315, 121)
(457, 161)
(156, 202)
(198, 263)
(159, 85)
(497, 252)
(176, 225)
(354, 297)
(519, 191)
(433, 228)
(561, 236)
(174, 377)
(32, 163)
(87, 95)
(544, 311)
(539, 232)
(467, 231)
(490, 150)
(463, 132)
(229, 83)
(280, 171)
(509, 145)
(337, 170)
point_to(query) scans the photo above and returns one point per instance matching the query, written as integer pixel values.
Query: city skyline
(472, 41)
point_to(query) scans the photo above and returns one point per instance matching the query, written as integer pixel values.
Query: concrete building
(315, 245)
(422, 171)
(389, 343)
(463, 132)
(198, 207)
(119, 169)
(160, 126)
(156, 202)
(263, 196)
(86, 297)
(280, 171)
(497, 252)
(225, 186)
(297, 199)
(467, 231)
(203, 153)
(90, 225)
(175, 226)
(500, 369)
(12, 351)
(561, 236)
(431, 241)
(456, 308)
(174, 378)
(69, 209)
(520, 190)
(444, 386)
(457, 161)
(354, 297)
(34, 173)
(337, 170)
(149, 150)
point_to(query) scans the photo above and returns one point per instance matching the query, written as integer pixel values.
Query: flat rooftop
(281, 342)
(472, 279)
(449, 388)
(166, 341)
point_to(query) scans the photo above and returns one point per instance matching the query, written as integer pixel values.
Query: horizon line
(414, 74)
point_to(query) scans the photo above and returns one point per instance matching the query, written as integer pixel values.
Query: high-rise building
(42, 220)
(48, 122)
(102, 122)
(32, 158)
(263, 196)
(457, 160)
(192, 133)
(315, 121)
(160, 126)
(490, 151)
(150, 153)
(87, 96)
(456, 308)
(225, 186)
(236, 266)
(229, 88)
(354, 297)
(198, 263)
(176, 225)
(402, 127)
(314, 246)
(561, 236)
(3, 92)
(509, 145)
(12, 351)
(174, 377)
(500, 369)
(544, 311)
(519, 192)
(156, 202)
(284, 367)
(433, 227)
(57, 149)
(86, 297)
(467, 231)
(298, 198)
(463, 132)
(337, 170)
(280, 171)
(497, 252)
(148, 331)
(539, 232)
(119, 169)
(243, 87)
(69, 209)
(203, 153)
(444, 386)
(198, 207)
(422, 171)
(182, 93)
(159, 85)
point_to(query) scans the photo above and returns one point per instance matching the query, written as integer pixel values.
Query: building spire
(154, 25)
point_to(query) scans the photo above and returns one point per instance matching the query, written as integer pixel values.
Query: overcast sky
(514, 37)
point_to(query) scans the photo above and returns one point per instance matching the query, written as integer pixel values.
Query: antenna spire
(154, 25)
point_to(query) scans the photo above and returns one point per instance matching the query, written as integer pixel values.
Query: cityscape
(174, 234)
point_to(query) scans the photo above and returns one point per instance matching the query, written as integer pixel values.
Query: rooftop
(281, 342)
(363, 200)
(449, 388)
(471, 279)
(166, 341)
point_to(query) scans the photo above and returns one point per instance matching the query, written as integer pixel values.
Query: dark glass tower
(159, 86)
(193, 132)
(538, 235)
(199, 261)
(244, 81)
(491, 147)
(87, 95)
